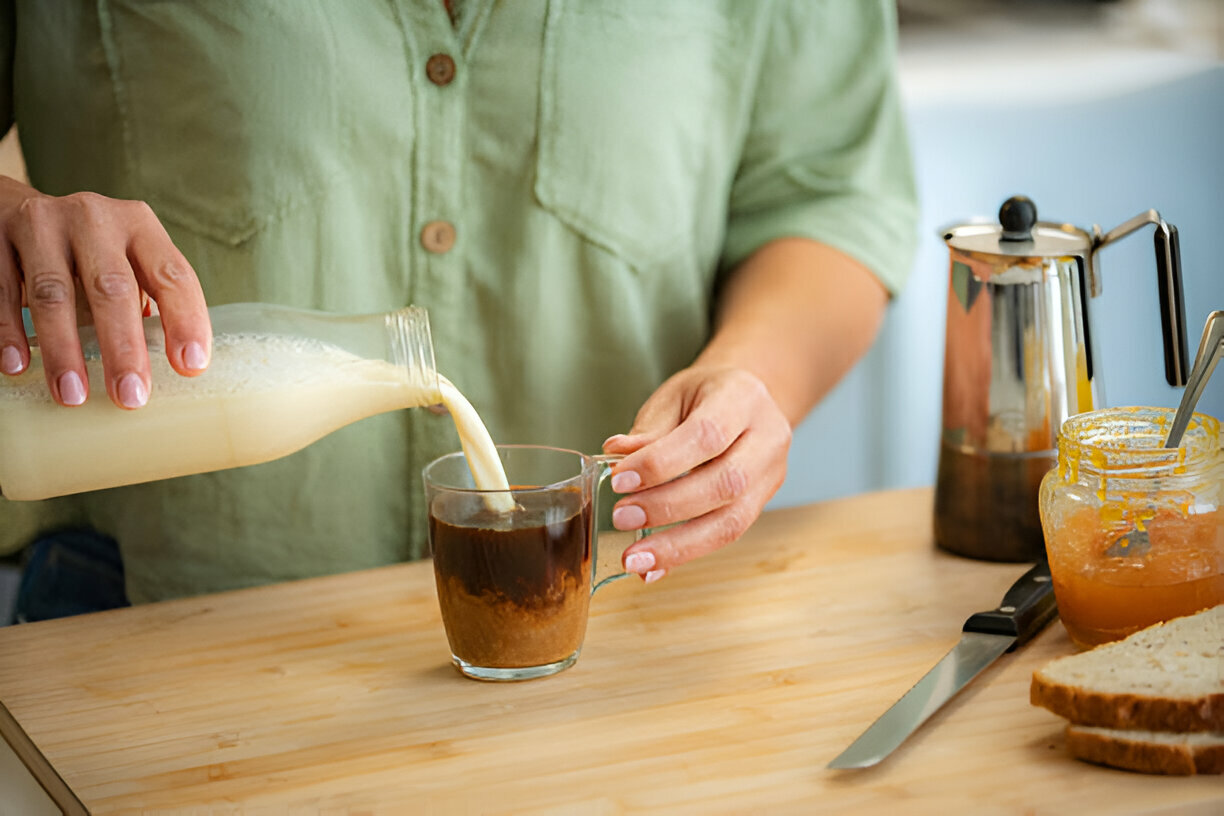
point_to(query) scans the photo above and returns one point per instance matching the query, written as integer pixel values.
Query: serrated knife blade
(1026, 608)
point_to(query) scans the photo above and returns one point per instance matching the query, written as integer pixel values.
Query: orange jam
(1134, 532)
(1102, 597)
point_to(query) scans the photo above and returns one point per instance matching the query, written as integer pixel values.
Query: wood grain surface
(724, 688)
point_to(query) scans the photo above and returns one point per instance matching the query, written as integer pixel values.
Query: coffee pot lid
(1018, 233)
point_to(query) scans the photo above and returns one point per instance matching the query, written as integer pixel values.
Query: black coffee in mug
(514, 588)
(515, 578)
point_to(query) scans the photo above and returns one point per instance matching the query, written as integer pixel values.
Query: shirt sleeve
(8, 41)
(826, 155)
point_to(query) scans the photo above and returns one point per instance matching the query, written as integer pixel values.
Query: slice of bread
(1157, 752)
(1168, 677)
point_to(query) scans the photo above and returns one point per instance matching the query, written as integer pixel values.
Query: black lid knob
(1017, 216)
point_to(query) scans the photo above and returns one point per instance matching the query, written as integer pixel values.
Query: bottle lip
(1130, 441)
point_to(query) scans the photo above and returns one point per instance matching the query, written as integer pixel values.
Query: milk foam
(240, 363)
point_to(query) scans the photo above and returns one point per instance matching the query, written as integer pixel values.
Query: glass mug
(515, 588)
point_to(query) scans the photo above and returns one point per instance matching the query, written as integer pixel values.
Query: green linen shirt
(602, 165)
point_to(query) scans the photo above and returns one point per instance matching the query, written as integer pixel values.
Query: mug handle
(604, 462)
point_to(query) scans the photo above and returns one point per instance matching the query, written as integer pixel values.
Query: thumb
(657, 417)
(624, 444)
(661, 414)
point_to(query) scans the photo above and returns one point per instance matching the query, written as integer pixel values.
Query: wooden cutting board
(724, 688)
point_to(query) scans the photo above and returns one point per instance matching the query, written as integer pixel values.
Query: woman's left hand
(708, 448)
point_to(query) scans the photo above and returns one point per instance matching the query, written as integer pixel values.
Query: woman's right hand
(53, 250)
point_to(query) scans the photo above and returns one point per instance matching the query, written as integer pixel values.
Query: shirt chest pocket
(229, 108)
(636, 141)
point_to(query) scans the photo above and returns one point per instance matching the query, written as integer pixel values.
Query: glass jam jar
(1134, 531)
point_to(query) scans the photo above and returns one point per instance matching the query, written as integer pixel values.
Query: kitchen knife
(1026, 608)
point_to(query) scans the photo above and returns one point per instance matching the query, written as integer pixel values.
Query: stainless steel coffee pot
(1018, 360)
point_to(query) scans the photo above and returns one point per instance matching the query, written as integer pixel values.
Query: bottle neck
(410, 346)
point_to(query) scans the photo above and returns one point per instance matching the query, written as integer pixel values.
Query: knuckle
(731, 483)
(142, 210)
(753, 389)
(34, 212)
(749, 384)
(662, 512)
(788, 435)
(169, 273)
(734, 521)
(143, 218)
(113, 286)
(711, 435)
(749, 380)
(90, 206)
(48, 290)
(780, 477)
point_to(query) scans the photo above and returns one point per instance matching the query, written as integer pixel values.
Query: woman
(679, 220)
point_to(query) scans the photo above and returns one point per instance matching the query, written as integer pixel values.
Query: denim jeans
(69, 573)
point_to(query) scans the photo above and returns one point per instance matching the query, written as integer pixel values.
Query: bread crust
(1131, 711)
(1145, 757)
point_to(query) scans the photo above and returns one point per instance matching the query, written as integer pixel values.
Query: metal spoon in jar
(1210, 347)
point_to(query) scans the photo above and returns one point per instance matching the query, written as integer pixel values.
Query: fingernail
(655, 575)
(639, 562)
(609, 440)
(625, 481)
(132, 391)
(72, 390)
(10, 360)
(194, 356)
(630, 517)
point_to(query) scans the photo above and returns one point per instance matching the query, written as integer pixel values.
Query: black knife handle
(1026, 608)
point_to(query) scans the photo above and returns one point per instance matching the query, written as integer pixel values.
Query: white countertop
(1036, 53)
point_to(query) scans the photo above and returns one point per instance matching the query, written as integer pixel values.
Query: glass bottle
(279, 378)
(1134, 531)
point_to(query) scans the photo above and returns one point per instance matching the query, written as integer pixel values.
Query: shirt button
(438, 236)
(440, 69)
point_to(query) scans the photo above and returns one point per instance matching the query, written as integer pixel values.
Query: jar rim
(1133, 438)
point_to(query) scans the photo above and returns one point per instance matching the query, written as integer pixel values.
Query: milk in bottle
(279, 379)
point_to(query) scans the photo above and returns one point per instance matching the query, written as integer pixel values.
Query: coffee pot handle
(1169, 286)
(1172, 305)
